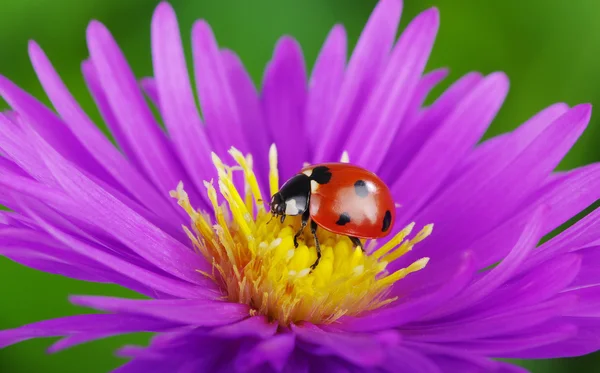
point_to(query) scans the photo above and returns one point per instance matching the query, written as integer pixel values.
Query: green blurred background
(549, 49)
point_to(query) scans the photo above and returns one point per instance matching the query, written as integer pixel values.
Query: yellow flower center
(255, 262)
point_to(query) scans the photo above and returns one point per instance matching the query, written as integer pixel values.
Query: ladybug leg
(313, 230)
(356, 242)
(305, 217)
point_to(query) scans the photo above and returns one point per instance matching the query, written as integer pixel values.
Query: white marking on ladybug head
(314, 186)
(307, 172)
(291, 208)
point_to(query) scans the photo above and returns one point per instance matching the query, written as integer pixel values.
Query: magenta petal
(108, 213)
(372, 135)
(148, 278)
(455, 137)
(519, 139)
(257, 326)
(503, 323)
(115, 324)
(15, 145)
(196, 312)
(150, 89)
(284, 103)
(361, 349)
(87, 132)
(94, 85)
(246, 98)
(583, 339)
(415, 106)
(496, 276)
(44, 122)
(325, 83)
(368, 58)
(413, 309)
(411, 361)
(151, 150)
(408, 141)
(223, 121)
(176, 98)
(274, 351)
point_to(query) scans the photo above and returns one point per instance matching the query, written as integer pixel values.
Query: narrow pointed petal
(274, 351)
(223, 121)
(383, 114)
(409, 141)
(255, 131)
(325, 83)
(284, 103)
(175, 95)
(459, 133)
(368, 58)
(126, 101)
(117, 324)
(98, 145)
(186, 311)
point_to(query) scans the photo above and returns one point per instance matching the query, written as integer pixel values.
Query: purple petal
(589, 271)
(94, 85)
(216, 98)
(409, 141)
(87, 132)
(456, 136)
(284, 103)
(274, 351)
(413, 309)
(150, 89)
(411, 361)
(15, 145)
(150, 150)
(44, 122)
(325, 82)
(373, 133)
(368, 58)
(582, 234)
(483, 197)
(115, 218)
(187, 311)
(519, 139)
(500, 324)
(176, 97)
(568, 195)
(455, 360)
(246, 98)
(415, 106)
(360, 349)
(511, 344)
(103, 323)
(498, 275)
(257, 326)
(147, 278)
(538, 285)
(582, 340)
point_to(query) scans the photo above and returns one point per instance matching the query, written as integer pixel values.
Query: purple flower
(179, 215)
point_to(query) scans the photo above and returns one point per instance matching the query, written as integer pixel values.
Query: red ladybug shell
(353, 202)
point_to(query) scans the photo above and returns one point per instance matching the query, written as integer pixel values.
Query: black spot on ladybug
(387, 221)
(344, 219)
(360, 187)
(321, 174)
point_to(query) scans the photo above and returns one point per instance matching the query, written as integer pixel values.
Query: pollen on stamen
(255, 262)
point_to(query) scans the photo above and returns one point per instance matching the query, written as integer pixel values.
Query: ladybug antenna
(270, 219)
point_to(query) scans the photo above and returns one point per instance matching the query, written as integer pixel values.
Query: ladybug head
(277, 204)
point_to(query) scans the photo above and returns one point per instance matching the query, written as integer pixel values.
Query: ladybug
(340, 198)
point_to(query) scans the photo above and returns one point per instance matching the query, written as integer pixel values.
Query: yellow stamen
(255, 262)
